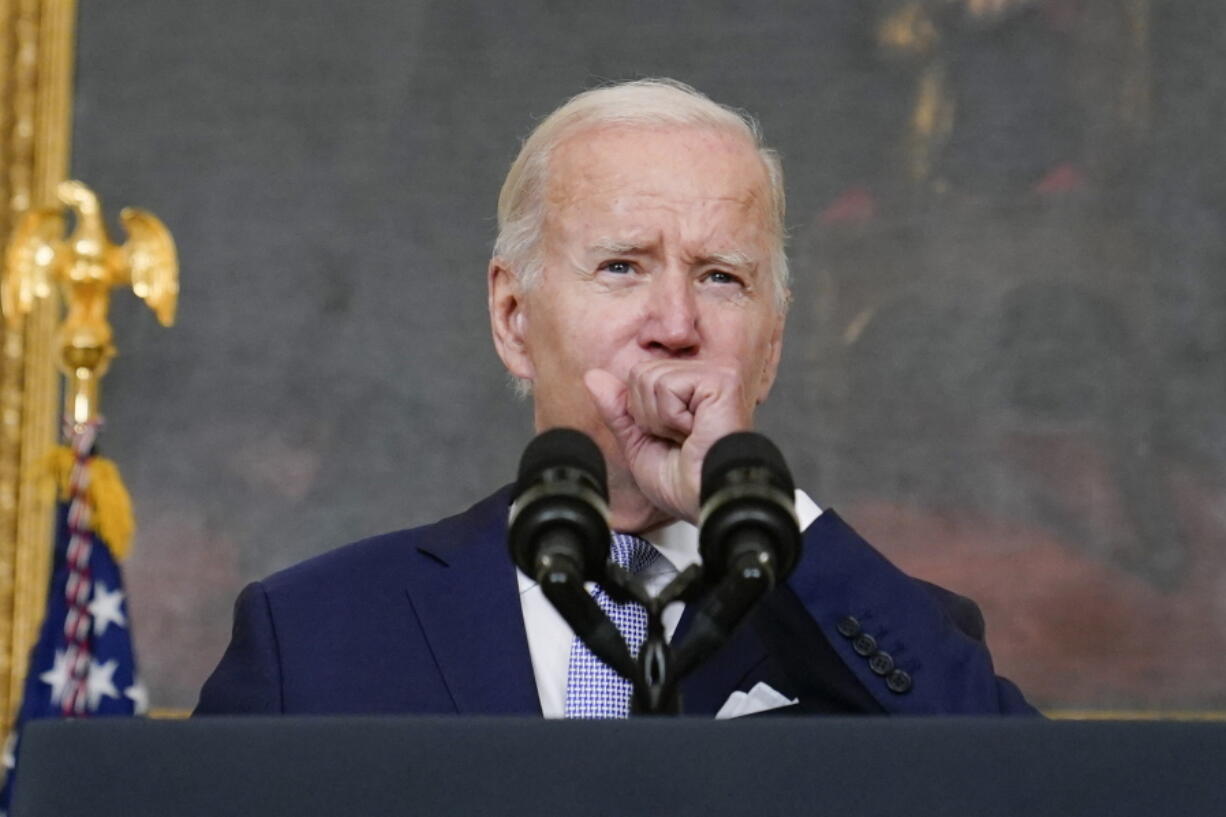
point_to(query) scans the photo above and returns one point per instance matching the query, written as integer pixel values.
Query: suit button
(864, 645)
(881, 663)
(899, 681)
(849, 627)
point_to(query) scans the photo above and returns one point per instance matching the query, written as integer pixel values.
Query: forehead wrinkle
(577, 173)
(647, 209)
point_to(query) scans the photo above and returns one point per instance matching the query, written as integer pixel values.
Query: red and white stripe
(79, 622)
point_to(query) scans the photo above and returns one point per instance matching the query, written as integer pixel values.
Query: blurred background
(1005, 362)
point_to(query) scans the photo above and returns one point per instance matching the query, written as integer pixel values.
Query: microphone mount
(748, 538)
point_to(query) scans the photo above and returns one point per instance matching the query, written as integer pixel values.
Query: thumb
(610, 396)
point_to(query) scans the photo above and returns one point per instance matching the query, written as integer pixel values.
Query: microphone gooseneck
(559, 534)
(749, 537)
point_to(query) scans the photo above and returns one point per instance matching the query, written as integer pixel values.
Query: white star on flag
(56, 677)
(10, 750)
(105, 608)
(100, 682)
(138, 693)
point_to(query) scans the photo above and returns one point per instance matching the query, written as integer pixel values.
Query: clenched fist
(664, 417)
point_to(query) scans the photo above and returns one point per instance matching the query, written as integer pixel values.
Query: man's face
(656, 245)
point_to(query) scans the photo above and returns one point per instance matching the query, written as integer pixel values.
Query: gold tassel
(109, 501)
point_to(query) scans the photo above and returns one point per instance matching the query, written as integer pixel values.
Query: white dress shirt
(549, 636)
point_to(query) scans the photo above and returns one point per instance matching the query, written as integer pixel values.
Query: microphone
(749, 538)
(560, 509)
(748, 512)
(559, 534)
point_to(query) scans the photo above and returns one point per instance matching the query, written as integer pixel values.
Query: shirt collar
(677, 541)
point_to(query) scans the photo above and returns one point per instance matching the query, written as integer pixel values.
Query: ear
(770, 366)
(509, 319)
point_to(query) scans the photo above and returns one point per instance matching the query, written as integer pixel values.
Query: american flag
(82, 664)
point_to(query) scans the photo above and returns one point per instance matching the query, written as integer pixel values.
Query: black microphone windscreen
(743, 449)
(562, 447)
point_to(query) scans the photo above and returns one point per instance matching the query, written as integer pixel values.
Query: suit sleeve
(917, 649)
(248, 678)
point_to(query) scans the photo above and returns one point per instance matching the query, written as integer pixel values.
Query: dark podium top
(761, 766)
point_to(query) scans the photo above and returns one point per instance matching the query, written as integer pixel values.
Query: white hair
(643, 103)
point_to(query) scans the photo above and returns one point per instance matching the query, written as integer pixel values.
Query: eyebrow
(730, 258)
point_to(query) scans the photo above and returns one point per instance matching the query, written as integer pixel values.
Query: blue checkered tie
(593, 690)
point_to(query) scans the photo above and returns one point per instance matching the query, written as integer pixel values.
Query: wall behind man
(1004, 361)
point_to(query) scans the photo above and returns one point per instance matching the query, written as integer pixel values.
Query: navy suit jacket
(428, 621)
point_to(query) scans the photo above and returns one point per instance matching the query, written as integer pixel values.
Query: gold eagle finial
(86, 265)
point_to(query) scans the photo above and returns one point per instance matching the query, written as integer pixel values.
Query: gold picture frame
(37, 44)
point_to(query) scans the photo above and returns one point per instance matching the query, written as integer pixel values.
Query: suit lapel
(708, 687)
(466, 599)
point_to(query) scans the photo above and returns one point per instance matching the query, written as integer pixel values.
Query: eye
(721, 277)
(617, 267)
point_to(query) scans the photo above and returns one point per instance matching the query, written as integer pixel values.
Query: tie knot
(631, 552)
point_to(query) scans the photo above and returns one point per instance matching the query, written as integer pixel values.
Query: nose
(671, 327)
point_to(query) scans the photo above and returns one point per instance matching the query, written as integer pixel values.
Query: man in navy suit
(638, 291)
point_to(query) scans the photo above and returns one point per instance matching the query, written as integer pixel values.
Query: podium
(849, 767)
